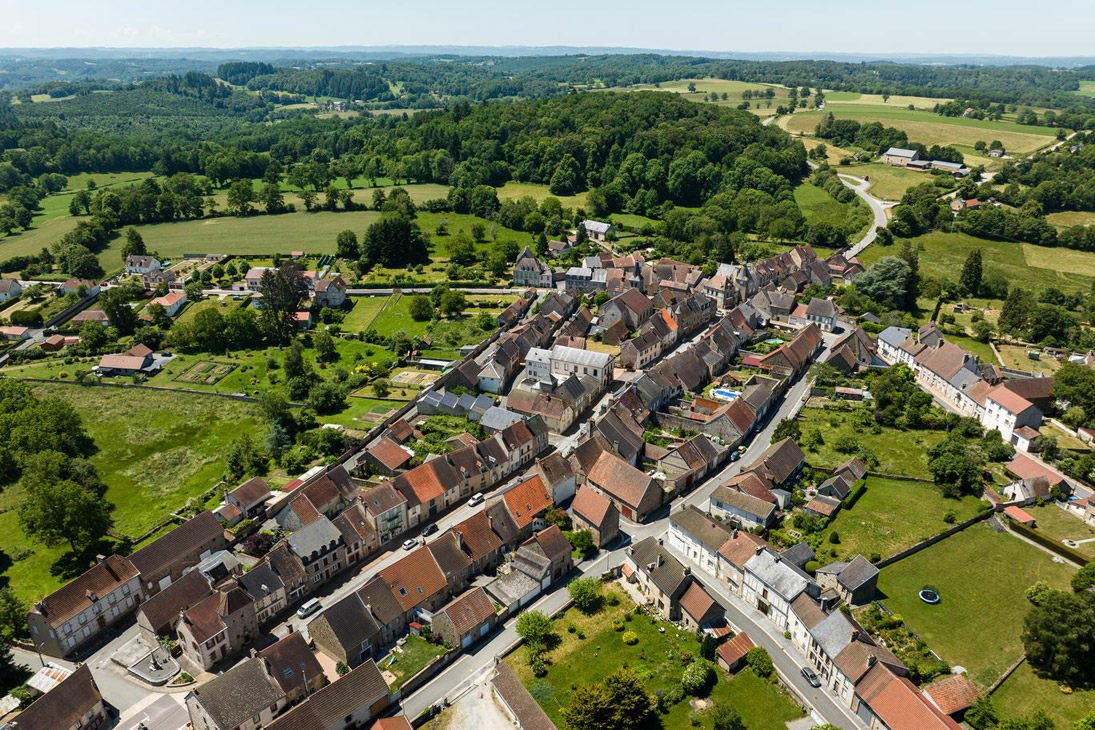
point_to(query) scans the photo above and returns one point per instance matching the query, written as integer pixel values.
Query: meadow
(982, 577)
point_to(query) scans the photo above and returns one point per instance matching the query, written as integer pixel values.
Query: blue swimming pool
(724, 394)
(774, 341)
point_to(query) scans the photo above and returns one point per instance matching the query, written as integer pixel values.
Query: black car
(429, 530)
(810, 676)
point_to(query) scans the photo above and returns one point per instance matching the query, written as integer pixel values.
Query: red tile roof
(591, 506)
(1010, 400)
(696, 602)
(620, 479)
(953, 694)
(526, 500)
(390, 454)
(1026, 468)
(898, 704)
(469, 610)
(414, 578)
(1019, 515)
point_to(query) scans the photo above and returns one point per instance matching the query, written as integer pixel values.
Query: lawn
(887, 182)
(363, 413)
(982, 577)
(893, 515)
(1024, 693)
(818, 206)
(515, 190)
(155, 451)
(657, 660)
(929, 128)
(365, 310)
(449, 332)
(1058, 525)
(416, 654)
(1032, 267)
(902, 453)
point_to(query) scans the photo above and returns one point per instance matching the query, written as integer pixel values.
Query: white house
(9, 289)
(1008, 411)
(567, 361)
(772, 583)
(596, 230)
(697, 538)
(141, 264)
(172, 302)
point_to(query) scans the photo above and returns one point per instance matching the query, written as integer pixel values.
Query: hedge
(857, 491)
(1063, 550)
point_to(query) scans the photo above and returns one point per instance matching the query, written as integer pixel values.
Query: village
(638, 441)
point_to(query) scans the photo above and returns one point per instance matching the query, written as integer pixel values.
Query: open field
(1024, 693)
(982, 577)
(732, 89)
(1015, 357)
(843, 99)
(928, 128)
(656, 658)
(1087, 88)
(818, 206)
(361, 316)
(515, 190)
(902, 453)
(155, 451)
(893, 515)
(362, 413)
(447, 332)
(31, 242)
(1033, 267)
(1071, 218)
(887, 182)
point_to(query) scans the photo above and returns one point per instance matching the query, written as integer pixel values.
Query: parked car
(810, 676)
(410, 544)
(308, 608)
(476, 500)
(429, 529)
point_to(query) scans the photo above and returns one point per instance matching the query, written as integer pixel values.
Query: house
(886, 700)
(54, 343)
(952, 695)
(15, 333)
(731, 655)
(416, 580)
(855, 582)
(250, 497)
(822, 506)
(658, 575)
(321, 550)
(558, 476)
(74, 286)
(1029, 471)
(698, 538)
(517, 702)
(303, 320)
(348, 702)
(137, 359)
(1006, 411)
(167, 277)
(294, 667)
(358, 534)
(166, 559)
(466, 619)
(741, 509)
(567, 361)
(526, 503)
(141, 264)
(157, 615)
(74, 704)
(545, 557)
(698, 608)
(217, 627)
(330, 293)
(631, 307)
(734, 554)
(593, 511)
(634, 493)
(793, 358)
(74, 615)
(171, 302)
(780, 463)
(1025, 439)
(9, 289)
(771, 584)
(243, 698)
(348, 631)
(529, 271)
(387, 508)
(387, 457)
(899, 157)
(598, 231)
(889, 344)
(1019, 515)
(266, 589)
(823, 313)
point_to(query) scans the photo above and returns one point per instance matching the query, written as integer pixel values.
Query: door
(466, 642)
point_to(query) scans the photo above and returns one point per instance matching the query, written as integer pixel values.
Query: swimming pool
(774, 341)
(724, 394)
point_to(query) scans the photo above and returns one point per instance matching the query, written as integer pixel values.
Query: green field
(155, 451)
(732, 89)
(1024, 693)
(893, 515)
(1057, 525)
(656, 658)
(1033, 267)
(515, 190)
(901, 453)
(887, 182)
(818, 206)
(1071, 218)
(361, 316)
(447, 332)
(929, 128)
(982, 577)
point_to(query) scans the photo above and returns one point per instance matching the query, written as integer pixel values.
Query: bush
(617, 624)
(698, 677)
(612, 598)
(539, 669)
(812, 566)
(760, 662)
(834, 538)
(630, 638)
(950, 517)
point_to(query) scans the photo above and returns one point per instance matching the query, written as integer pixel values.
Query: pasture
(982, 577)
(1034, 267)
(514, 190)
(1066, 218)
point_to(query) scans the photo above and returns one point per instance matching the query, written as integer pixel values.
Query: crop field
(1071, 218)
(929, 129)
(1034, 267)
(206, 372)
(842, 99)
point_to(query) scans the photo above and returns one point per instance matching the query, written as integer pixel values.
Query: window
(288, 672)
(83, 619)
(67, 628)
(402, 591)
(112, 598)
(125, 589)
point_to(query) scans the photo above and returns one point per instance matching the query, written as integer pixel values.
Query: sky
(1006, 27)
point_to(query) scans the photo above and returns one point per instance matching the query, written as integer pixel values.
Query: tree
(1059, 637)
(970, 279)
(982, 714)
(346, 246)
(887, 282)
(241, 195)
(13, 613)
(956, 466)
(243, 459)
(582, 542)
(536, 629)
(420, 308)
(453, 302)
(698, 678)
(619, 702)
(1075, 417)
(787, 428)
(725, 717)
(134, 244)
(272, 199)
(118, 312)
(324, 346)
(586, 594)
(1075, 384)
(1085, 723)
(382, 387)
(326, 397)
(1017, 311)
(1084, 578)
(282, 289)
(567, 178)
(64, 512)
(393, 241)
(760, 662)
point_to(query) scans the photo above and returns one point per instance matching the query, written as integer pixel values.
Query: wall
(938, 538)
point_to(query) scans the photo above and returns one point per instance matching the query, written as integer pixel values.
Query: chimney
(734, 534)
(871, 659)
(687, 570)
(759, 550)
(100, 558)
(855, 634)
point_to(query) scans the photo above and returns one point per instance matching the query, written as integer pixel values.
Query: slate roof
(260, 581)
(783, 577)
(699, 526)
(800, 553)
(193, 534)
(63, 706)
(314, 538)
(162, 610)
(291, 662)
(326, 708)
(469, 610)
(529, 714)
(450, 558)
(664, 570)
(780, 460)
(240, 693)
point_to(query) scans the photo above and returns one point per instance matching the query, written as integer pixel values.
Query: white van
(310, 606)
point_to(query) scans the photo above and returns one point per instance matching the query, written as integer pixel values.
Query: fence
(427, 673)
(980, 517)
(1007, 673)
(1048, 543)
(70, 311)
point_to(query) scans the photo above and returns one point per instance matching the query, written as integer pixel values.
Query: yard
(1032, 267)
(982, 577)
(155, 451)
(1024, 693)
(893, 515)
(656, 658)
(365, 310)
(362, 413)
(415, 655)
(446, 332)
(901, 453)
(1058, 525)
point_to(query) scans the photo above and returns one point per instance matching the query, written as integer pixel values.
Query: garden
(614, 634)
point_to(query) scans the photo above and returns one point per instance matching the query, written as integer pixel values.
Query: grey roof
(260, 581)
(496, 418)
(821, 308)
(857, 573)
(743, 502)
(314, 537)
(894, 336)
(511, 587)
(778, 574)
(238, 694)
(701, 527)
(350, 622)
(596, 226)
(664, 570)
(800, 553)
(575, 356)
(834, 633)
(901, 152)
(948, 165)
